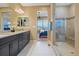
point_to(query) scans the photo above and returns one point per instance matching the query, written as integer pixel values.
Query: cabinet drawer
(7, 39)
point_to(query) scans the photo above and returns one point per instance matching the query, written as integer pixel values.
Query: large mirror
(5, 23)
(22, 21)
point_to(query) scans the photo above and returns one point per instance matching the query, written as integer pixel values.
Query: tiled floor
(38, 48)
(64, 49)
(41, 48)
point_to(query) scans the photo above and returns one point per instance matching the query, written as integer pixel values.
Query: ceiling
(4, 5)
(34, 4)
(63, 4)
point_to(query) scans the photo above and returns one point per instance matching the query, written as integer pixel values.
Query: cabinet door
(14, 47)
(4, 50)
(20, 46)
(28, 36)
(20, 42)
(24, 38)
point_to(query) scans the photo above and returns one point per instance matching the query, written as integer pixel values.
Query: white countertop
(6, 34)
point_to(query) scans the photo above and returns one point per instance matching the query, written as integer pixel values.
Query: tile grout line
(56, 51)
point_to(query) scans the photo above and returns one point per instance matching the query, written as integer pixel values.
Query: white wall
(62, 11)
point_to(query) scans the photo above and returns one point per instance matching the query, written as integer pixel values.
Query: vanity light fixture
(19, 10)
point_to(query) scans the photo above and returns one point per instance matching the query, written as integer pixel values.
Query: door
(60, 25)
(42, 25)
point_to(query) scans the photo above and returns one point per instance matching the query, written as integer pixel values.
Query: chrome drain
(49, 45)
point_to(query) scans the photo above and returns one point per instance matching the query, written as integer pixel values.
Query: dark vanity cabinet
(12, 45)
(4, 46)
(4, 49)
(20, 42)
(23, 40)
(28, 36)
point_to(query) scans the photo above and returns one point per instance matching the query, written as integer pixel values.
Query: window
(43, 24)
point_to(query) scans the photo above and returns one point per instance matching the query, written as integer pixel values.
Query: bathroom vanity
(12, 43)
